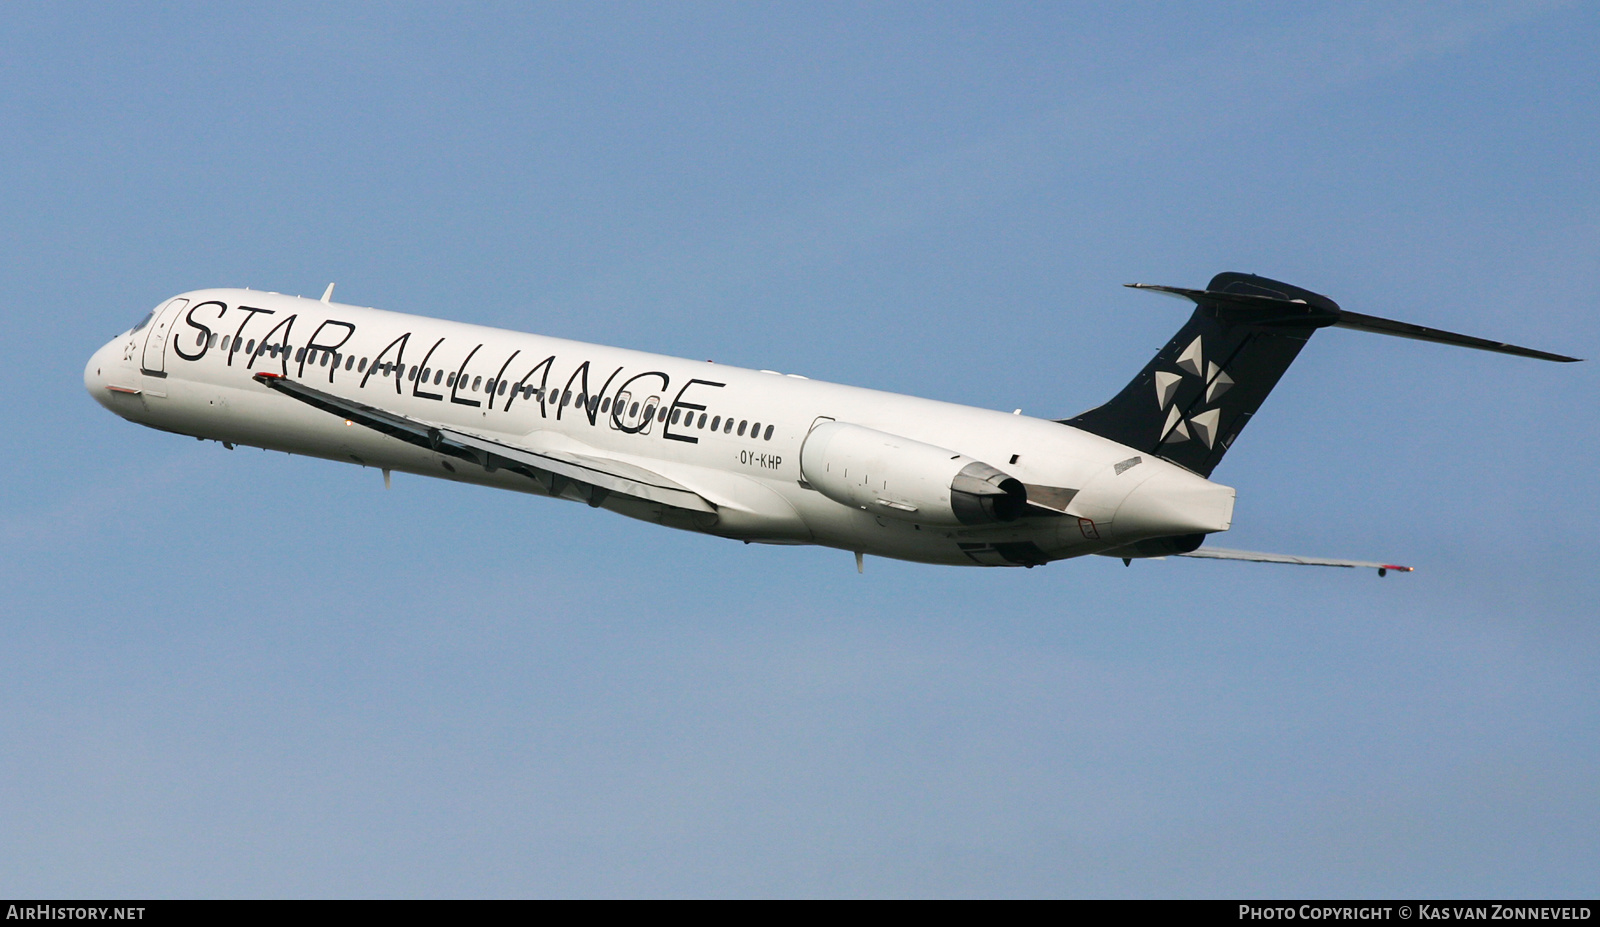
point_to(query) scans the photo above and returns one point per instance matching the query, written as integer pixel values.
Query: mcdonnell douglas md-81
(752, 455)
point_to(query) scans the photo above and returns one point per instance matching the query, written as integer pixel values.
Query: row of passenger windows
(659, 413)
(442, 378)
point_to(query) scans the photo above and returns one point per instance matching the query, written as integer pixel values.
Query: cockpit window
(143, 322)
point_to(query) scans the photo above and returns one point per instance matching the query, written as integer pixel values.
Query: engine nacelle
(900, 478)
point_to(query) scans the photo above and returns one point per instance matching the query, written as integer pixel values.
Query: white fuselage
(190, 370)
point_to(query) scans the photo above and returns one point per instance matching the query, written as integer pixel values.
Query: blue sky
(243, 673)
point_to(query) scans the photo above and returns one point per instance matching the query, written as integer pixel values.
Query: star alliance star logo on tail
(1203, 425)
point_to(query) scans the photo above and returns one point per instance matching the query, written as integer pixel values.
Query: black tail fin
(1195, 396)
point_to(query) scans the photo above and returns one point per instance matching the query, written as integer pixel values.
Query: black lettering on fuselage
(205, 330)
(616, 410)
(460, 378)
(581, 375)
(593, 409)
(287, 324)
(499, 378)
(315, 345)
(399, 362)
(238, 336)
(516, 392)
(758, 459)
(693, 407)
(422, 368)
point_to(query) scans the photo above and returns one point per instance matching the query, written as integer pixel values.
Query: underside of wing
(1221, 553)
(594, 476)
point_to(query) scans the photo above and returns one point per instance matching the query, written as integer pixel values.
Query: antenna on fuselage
(327, 295)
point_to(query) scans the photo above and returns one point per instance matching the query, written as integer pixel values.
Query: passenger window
(768, 435)
(225, 340)
(714, 422)
(324, 361)
(350, 362)
(566, 399)
(742, 423)
(362, 367)
(450, 381)
(581, 399)
(300, 355)
(476, 381)
(662, 415)
(502, 390)
(605, 406)
(676, 414)
(702, 421)
(634, 410)
(412, 374)
(213, 342)
(755, 430)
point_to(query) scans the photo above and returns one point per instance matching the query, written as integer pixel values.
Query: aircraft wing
(594, 476)
(1221, 553)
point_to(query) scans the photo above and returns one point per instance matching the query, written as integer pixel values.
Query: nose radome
(1174, 502)
(94, 373)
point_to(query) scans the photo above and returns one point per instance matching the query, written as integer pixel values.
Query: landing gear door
(155, 341)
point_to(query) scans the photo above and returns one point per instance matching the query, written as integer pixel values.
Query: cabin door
(155, 341)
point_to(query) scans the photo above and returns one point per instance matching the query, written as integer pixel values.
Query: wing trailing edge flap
(1221, 553)
(554, 470)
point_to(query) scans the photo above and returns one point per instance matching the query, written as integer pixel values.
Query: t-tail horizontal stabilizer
(1219, 553)
(1195, 396)
(1265, 310)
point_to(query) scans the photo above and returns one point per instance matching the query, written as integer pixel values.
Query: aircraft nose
(95, 372)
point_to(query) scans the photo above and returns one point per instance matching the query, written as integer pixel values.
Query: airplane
(750, 455)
